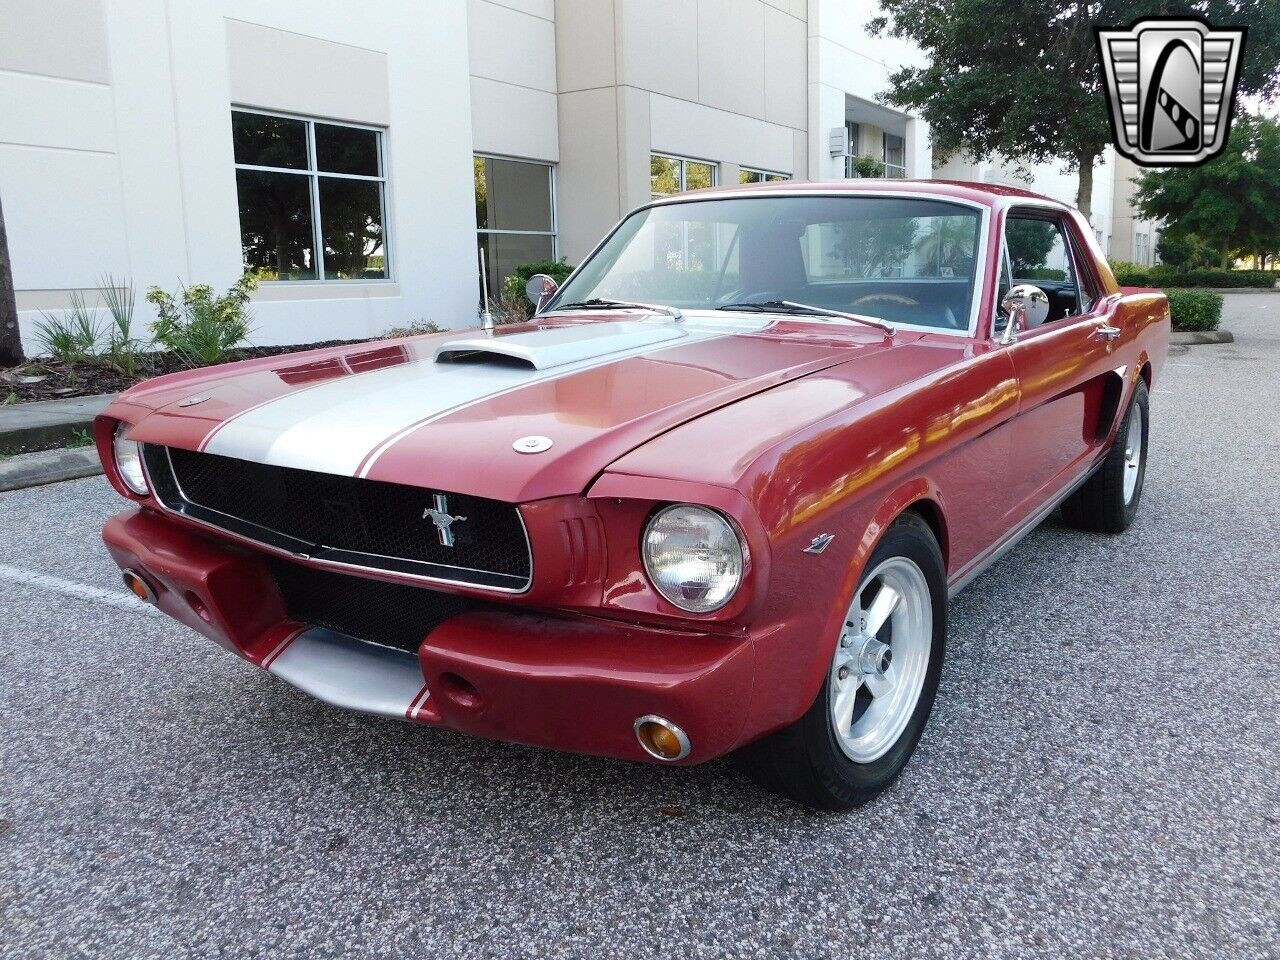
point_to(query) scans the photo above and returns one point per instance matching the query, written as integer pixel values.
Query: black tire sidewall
(852, 782)
(1140, 401)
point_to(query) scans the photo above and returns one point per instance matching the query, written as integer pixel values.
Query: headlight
(128, 454)
(693, 557)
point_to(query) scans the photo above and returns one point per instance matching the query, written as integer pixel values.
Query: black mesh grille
(391, 614)
(364, 522)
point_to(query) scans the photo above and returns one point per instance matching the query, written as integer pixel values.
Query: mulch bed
(54, 380)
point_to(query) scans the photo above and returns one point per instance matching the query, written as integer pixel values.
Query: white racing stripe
(69, 588)
(333, 428)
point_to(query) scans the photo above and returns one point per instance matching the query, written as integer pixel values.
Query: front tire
(1108, 501)
(868, 717)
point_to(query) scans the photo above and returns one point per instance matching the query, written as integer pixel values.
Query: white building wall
(512, 55)
(721, 81)
(115, 148)
(848, 70)
(115, 127)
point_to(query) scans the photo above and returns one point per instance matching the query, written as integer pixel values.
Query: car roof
(985, 194)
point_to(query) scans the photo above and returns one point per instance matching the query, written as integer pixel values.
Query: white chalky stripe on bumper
(351, 673)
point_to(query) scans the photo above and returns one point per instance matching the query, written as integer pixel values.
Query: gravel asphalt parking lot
(1101, 777)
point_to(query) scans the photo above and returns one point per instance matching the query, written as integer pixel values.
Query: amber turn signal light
(139, 587)
(661, 738)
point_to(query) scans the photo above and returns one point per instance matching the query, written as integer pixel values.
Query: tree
(1232, 200)
(1022, 80)
(1029, 243)
(10, 340)
(1185, 250)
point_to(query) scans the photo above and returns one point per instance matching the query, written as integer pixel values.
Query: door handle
(1107, 332)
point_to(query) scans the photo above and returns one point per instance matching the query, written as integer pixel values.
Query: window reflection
(312, 198)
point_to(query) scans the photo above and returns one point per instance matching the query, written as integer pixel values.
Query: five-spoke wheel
(879, 665)
(876, 697)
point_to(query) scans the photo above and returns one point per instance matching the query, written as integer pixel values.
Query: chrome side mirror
(539, 290)
(1026, 306)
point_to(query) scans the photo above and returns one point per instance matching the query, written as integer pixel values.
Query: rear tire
(868, 717)
(1108, 501)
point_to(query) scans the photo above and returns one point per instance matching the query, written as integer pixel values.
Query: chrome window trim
(312, 559)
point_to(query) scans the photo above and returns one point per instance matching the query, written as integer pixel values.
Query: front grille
(391, 614)
(367, 523)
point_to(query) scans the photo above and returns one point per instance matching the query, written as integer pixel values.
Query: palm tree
(10, 342)
(951, 239)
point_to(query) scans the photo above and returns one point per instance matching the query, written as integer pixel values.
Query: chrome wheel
(880, 663)
(1133, 453)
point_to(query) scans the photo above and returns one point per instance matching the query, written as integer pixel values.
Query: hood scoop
(558, 346)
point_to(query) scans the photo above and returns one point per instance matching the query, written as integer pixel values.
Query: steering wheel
(886, 298)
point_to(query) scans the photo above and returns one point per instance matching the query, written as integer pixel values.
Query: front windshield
(907, 261)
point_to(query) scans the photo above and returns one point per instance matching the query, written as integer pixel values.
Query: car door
(1062, 365)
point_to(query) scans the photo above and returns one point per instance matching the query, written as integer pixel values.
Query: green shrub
(122, 346)
(1044, 273)
(200, 328)
(1194, 309)
(513, 286)
(71, 338)
(414, 328)
(1162, 276)
(1125, 266)
(868, 166)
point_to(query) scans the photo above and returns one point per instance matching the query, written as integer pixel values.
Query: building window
(855, 141)
(668, 175)
(312, 197)
(515, 216)
(895, 156)
(1142, 249)
(747, 175)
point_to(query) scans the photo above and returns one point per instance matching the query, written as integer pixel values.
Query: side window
(1038, 252)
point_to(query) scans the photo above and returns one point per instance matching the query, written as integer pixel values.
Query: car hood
(449, 412)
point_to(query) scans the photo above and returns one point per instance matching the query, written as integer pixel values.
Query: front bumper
(542, 679)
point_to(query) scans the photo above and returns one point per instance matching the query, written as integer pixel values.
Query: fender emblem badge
(820, 543)
(438, 514)
(532, 445)
(192, 401)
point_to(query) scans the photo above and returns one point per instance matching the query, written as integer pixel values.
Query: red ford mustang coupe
(712, 498)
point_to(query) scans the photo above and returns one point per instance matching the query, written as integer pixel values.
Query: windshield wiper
(790, 306)
(595, 303)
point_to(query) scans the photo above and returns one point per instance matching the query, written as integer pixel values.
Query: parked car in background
(713, 498)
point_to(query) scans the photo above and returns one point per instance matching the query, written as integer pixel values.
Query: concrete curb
(47, 423)
(1231, 290)
(1192, 338)
(48, 466)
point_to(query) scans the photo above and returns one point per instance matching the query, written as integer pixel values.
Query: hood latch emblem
(532, 445)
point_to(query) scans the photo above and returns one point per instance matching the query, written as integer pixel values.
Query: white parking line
(69, 588)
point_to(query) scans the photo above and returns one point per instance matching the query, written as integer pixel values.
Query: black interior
(1063, 298)
(925, 301)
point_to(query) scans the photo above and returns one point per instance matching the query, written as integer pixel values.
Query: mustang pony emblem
(439, 515)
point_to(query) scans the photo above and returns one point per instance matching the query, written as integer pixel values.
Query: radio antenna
(486, 318)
